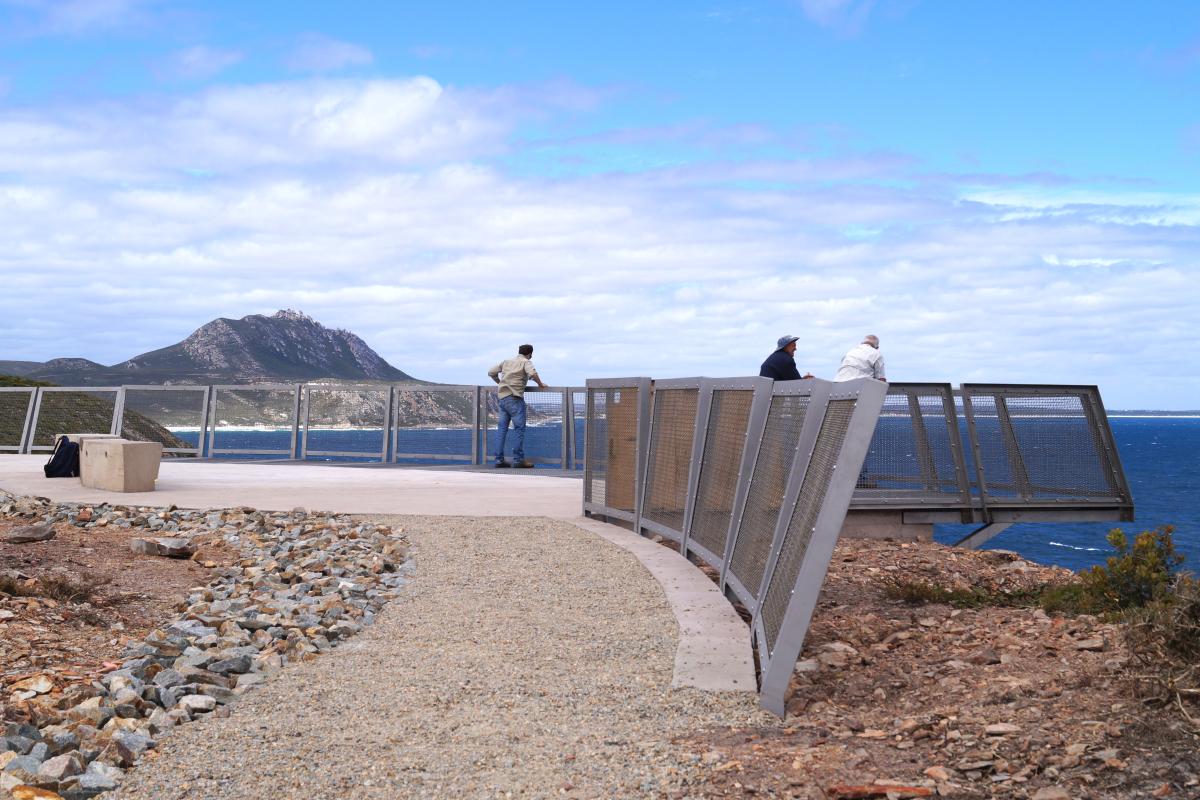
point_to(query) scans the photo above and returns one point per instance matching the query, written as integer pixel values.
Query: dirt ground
(936, 701)
(106, 595)
(890, 700)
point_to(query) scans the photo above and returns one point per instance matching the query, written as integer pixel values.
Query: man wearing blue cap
(781, 365)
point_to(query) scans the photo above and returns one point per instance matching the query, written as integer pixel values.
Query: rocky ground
(954, 702)
(106, 650)
(109, 644)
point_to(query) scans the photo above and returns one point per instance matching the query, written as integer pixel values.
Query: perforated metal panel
(61, 410)
(175, 417)
(792, 550)
(768, 483)
(724, 444)
(595, 469)
(672, 434)
(616, 436)
(16, 411)
(837, 432)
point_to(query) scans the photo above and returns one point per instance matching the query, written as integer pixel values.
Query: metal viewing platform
(988, 454)
(756, 479)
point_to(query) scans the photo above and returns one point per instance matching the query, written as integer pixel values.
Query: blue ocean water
(1161, 457)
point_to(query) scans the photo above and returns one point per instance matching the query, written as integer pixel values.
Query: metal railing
(413, 424)
(751, 477)
(755, 478)
(988, 453)
(1032, 453)
(16, 411)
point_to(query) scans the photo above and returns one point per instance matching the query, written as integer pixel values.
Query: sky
(1003, 192)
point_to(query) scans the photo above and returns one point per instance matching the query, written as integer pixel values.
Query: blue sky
(1001, 191)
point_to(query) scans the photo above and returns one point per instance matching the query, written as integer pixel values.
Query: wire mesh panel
(434, 425)
(916, 454)
(254, 421)
(62, 410)
(595, 466)
(720, 465)
(768, 483)
(669, 461)
(578, 427)
(800, 528)
(1040, 443)
(345, 423)
(173, 417)
(16, 411)
(616, 422)
(814, 509)
(545, 427)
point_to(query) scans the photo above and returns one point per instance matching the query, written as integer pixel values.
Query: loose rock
(30, 533)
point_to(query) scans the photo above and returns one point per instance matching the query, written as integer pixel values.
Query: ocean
(1161, 457)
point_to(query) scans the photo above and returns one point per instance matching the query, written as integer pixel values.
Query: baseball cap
(784, 341)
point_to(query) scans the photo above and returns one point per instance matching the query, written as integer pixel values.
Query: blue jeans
(512, 408)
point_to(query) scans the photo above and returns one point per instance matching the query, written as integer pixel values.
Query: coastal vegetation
(16, 381)
(1140, 587)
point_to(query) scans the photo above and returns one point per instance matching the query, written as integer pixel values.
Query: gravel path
(526, 658)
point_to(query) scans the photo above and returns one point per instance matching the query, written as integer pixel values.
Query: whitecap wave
(1074, 547)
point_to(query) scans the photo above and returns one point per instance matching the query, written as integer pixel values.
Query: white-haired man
(863, 361)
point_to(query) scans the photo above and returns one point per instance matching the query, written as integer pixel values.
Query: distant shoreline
(1153, 415)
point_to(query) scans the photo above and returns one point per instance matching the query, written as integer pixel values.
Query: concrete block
(79, 437)
(885, 525)
(119, 465)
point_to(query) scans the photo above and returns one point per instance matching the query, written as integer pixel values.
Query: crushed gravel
(527, 658)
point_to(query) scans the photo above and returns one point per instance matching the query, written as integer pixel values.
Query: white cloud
(75, 17)
(373, 206)
(227, 129)
(200, 61)
(317, 53)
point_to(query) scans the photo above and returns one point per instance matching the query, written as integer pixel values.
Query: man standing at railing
(513, 374)
(863, 361)
(781, 365)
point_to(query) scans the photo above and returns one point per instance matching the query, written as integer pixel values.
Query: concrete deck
(324, 487)
(714, 644)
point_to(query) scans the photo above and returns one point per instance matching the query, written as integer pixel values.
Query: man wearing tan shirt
(512, 375)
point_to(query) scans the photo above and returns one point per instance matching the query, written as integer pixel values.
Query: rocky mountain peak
(292, 315)
(288, 345)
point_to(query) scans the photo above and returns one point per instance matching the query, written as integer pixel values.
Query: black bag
(64, 463)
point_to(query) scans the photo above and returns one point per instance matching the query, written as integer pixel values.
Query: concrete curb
(714, 643)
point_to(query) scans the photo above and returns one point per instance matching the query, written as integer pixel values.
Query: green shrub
(1140, 573)
(17, 380)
